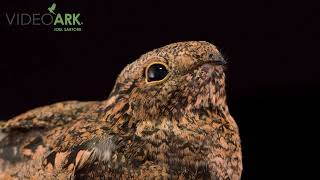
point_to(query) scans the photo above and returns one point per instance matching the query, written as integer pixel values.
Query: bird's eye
(156, 72)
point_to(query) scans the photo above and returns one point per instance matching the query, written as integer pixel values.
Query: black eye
(156, 72)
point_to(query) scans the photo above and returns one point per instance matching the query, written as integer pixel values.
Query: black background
(271, 46)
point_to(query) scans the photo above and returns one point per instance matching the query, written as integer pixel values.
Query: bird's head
(173, 79)
(173, 100)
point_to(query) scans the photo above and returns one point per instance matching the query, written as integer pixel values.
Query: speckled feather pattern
(178, 128)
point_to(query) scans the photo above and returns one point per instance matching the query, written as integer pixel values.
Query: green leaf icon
(52, 8)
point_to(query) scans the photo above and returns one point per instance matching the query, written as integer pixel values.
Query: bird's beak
(217, 60)
(220, 62)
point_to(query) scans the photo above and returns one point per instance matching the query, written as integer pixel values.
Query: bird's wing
(81, 144)
(32, 133)
(88, 147)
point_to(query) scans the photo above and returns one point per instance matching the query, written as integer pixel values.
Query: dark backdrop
(273, 71)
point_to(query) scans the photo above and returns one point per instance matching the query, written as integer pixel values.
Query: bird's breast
(176, 145)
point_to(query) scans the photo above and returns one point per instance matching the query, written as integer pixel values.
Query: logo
(52, 8)
(55, 20)
(66, 21)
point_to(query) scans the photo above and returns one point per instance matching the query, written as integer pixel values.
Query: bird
(52, 8)
(165, 118)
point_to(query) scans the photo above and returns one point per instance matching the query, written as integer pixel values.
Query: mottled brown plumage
(173, 124)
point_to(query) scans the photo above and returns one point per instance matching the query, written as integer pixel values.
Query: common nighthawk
(166, 118)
